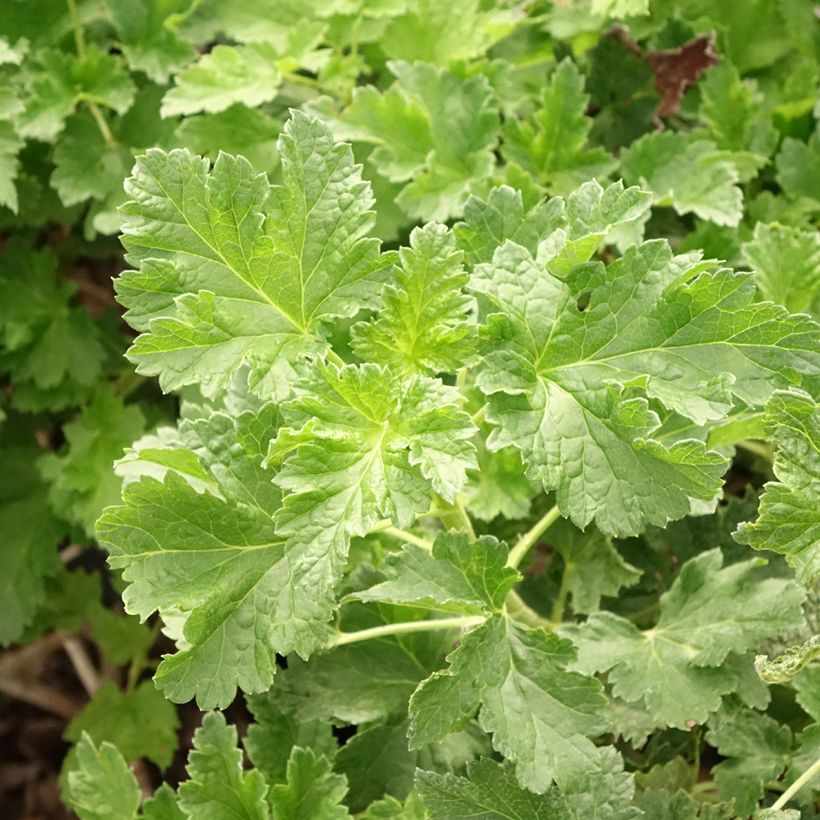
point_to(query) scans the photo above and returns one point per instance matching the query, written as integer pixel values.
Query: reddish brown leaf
(678, 69)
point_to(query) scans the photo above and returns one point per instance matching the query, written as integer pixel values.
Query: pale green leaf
(786, 265)
(10, 145)
(798, 167)
(690, 175)
(217, 787)
(539, 713)
(235, 271)
(756, 749)
(148, 32)
(102, 787)
(677, 668)
(569, 388)
(312, 790)
(789, 518)
(424, 324)
(551, 143)
(82, 481)
(140, 723)
(458, 576)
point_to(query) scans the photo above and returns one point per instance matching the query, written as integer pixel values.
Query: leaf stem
(797, 785)
(404, 535)
(102, 123)
(79, 34)
(404, 627)
(529, 538)
(478, 417)
(519, 610)
(465, 518)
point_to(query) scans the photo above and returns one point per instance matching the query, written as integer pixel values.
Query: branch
(797, 785)
(405, 626)
(529, 538)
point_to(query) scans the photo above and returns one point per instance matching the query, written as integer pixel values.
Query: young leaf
(234, 271)
(459, 576)
(367, 444)
(551, 144)
(449, 130)
(217, 787)
(677, 668)
(102, 787)
(424, 325)
(789, 518)
(539, 713)
(311, 790)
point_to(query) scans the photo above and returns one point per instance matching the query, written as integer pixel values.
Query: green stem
(79, 34)
(404, 627)
(563, 592)
(519, 610)
(465, 519)
(102, 123)
(797, 785)
(333, 356)
(529, 538)
(703, 786)
(479, 415)
(404, 535)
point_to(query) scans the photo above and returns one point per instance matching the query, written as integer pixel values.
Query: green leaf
(489, 223)
(431, 127)
(733, 110)
(61, 81)
(756, 749)
(212, 557)
(364, 444)
(149, 37)
(786, 265)
(439, 33)
(798, 167)
(690, 175)
(551, 143)
(489, 792)
(30, 538)
(103, 787)
(234, 271)
(539, 713)
(217, 787)
(85, 165)
(311, 790)
(789, 519)
(51, 348)
(618, 9)
(81, 478)
(248, 75)
(424, 324)
(677, 668)
(593, 566)
(140, 723)
(162, 805)
(10, 145)
(589, 436)
(459, 576)
(274, 734)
